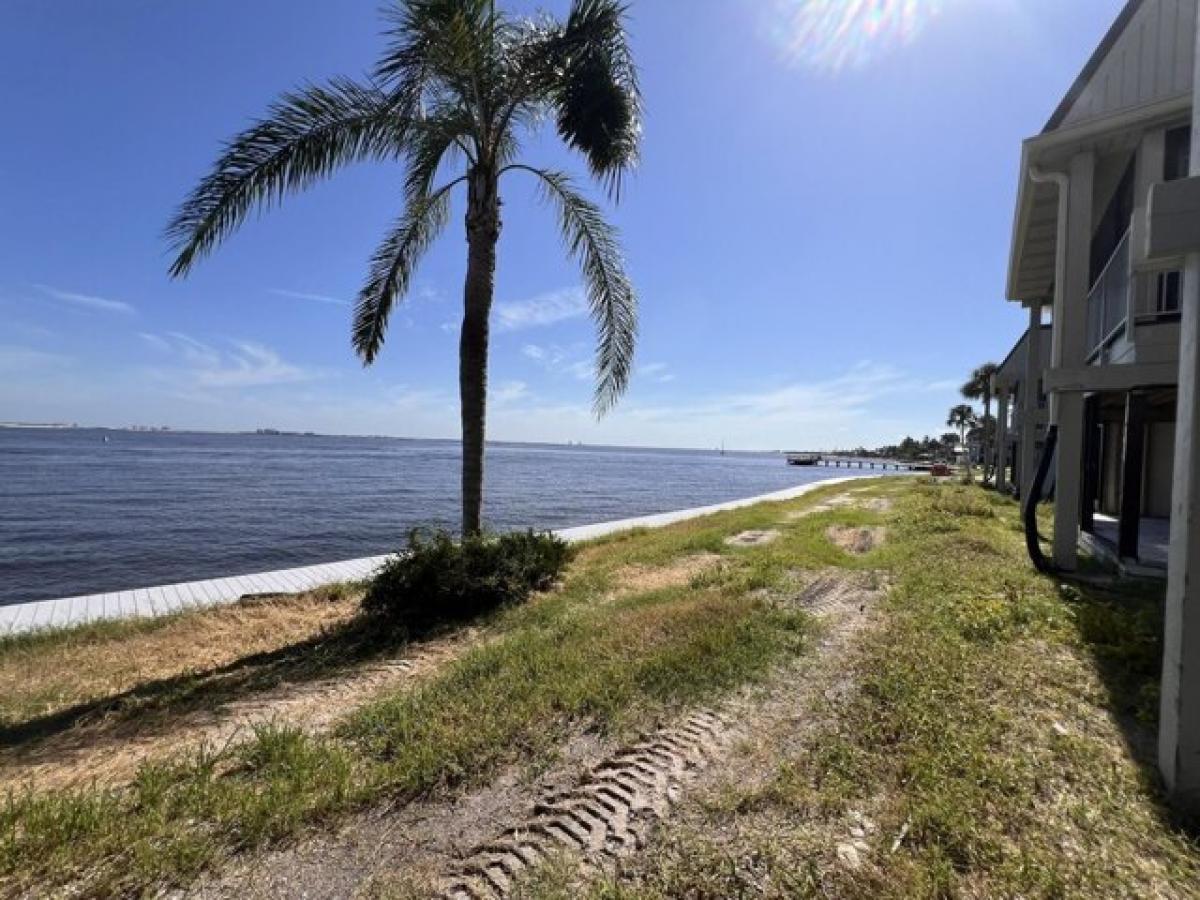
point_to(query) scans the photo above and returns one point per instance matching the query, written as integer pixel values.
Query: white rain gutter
(1062, 181)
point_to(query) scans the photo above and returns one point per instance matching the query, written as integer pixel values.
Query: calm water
(80, 516)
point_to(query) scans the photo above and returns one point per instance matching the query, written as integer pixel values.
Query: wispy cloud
(658, 371)
(560, 360)
(87, 301)
(315, 298)
(243, 364)
(544, 309)
(509, 392)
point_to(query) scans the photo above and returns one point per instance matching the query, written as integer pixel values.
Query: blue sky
(818, 231)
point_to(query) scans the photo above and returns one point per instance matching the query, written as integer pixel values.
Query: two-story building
(1109, 359)
(1020, 410)
(1106, 242)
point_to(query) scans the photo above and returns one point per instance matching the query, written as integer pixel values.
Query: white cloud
(659, 372)
(155, 341)
(559, 360)
(315, 298)
(544, 309)
(246, 364)
(88, 301)
(509, 392)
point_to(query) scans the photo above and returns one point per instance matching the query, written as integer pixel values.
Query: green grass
(992, 728)
(997, 729)
(577, 657)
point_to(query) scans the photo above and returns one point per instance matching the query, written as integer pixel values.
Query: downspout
(1030, 503)
(1063, 182)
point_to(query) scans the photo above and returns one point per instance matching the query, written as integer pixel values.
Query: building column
(1091, 463)
(1069, 350)
(1133, 464)
(1030, 398)
(1179, 722)
(1002, 440)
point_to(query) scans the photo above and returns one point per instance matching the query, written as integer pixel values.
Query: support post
(1091, 463)
(1179, 721)
(1132, 465)
(1070, 332)
(1002, 440)
(1030, 398)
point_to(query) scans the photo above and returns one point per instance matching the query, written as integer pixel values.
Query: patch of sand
(844, 501)
(752, 538)
(854, 539)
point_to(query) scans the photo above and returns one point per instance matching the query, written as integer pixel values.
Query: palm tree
(457, 88)
(962, 417)
(979, 387)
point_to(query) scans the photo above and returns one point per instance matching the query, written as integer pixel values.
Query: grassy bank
(998, 744)
(988, 734)
(627, 638)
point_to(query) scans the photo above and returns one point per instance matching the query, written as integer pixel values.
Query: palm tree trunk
(483, 232)
(987, 442)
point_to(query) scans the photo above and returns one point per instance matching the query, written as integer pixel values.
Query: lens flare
(833, 35)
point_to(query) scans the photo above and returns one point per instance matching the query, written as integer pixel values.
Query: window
(1178, 153)
(1113, 224)
(1169, 286)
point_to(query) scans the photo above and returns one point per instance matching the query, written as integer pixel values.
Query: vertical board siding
(1150, 61)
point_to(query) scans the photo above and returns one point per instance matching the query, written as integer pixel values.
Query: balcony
(1108, 303)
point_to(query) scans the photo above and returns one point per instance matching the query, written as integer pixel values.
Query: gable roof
(1145, 57)
(1093, 64)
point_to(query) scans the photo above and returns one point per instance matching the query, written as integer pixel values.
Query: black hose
(1029, 511)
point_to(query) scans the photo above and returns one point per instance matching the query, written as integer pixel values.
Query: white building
(1106, 242)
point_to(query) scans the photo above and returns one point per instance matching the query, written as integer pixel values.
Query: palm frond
(431, 139)
(435, 41)
(613, 304)
(392, 268)
(598, 99)
(306, 135)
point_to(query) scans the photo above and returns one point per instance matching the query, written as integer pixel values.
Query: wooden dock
(174, 598)
(838, 461)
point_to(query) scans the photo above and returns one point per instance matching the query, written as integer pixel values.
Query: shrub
(440, 580)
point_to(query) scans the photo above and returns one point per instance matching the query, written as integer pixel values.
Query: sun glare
(833, 35)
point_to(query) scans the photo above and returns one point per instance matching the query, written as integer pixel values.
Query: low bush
(440, 580)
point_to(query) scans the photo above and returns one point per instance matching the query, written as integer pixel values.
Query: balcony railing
(1108, 303)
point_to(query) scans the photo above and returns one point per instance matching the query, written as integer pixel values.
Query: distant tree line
(974, 435)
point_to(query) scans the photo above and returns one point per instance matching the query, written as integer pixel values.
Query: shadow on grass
(337, 651)
(1120, 622)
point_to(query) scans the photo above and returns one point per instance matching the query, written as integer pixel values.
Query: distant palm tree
(459, 84)
(979, 387)
(963, 418)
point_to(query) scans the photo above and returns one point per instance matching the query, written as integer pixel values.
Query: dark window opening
(1178, 153)
(1170, 286)
(1113, 225)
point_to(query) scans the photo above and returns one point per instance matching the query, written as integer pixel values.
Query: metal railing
(1108, 303)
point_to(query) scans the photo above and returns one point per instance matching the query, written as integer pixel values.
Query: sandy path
(598, 804)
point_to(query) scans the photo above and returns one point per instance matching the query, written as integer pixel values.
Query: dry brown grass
(638, 579)
(108, 750)
(41, 679)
